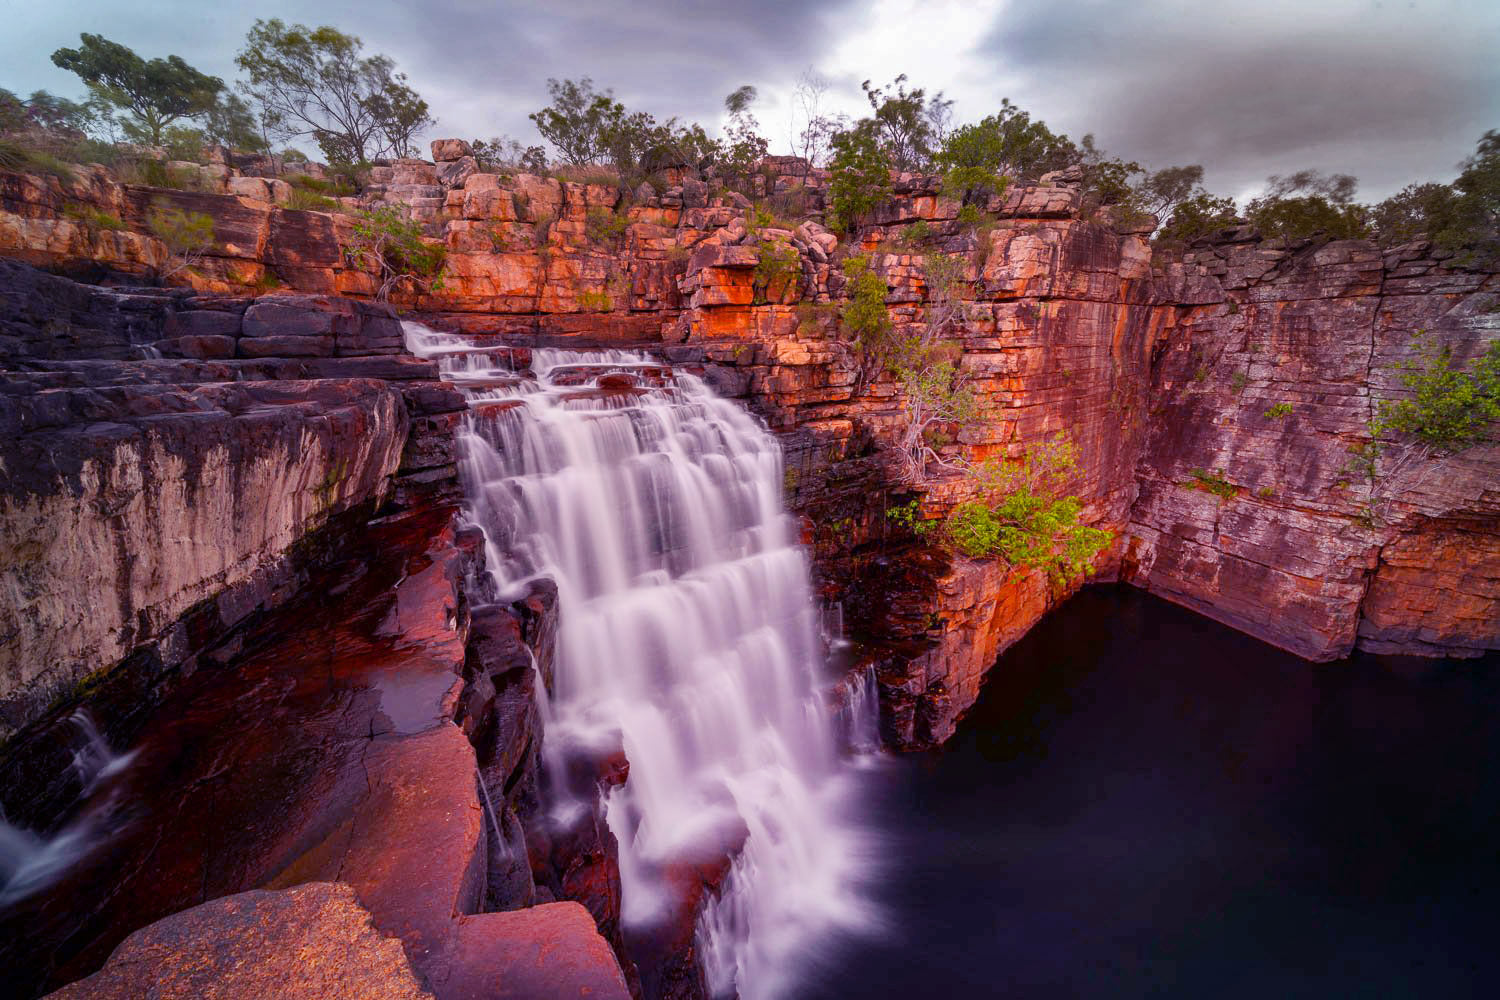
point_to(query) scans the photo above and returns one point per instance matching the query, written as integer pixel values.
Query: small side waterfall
(29, 862)
(687, 627)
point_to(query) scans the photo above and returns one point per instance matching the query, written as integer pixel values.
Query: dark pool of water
(1147, 803)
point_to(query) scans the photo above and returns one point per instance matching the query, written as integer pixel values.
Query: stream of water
(688, 628)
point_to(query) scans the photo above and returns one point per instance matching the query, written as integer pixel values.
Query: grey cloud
(1389, 92)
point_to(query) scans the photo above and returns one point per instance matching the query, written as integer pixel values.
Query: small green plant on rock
(777, 266)
(1238, 381)
(95, 220)
(870, 338)
(187, 236)
(909, 515)
(1024, 515)
(1280, 411)
(590, 300)
(604, 226)
(385, 241)
(1449, 408)
(1214, 482)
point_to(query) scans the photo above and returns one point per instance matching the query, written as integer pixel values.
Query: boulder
(448, 150)
(312, 941)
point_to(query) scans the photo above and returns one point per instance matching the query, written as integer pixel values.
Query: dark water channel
(1147, 803)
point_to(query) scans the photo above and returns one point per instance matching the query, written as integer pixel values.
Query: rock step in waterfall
(688, 631)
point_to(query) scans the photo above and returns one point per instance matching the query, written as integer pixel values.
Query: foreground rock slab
(311, 941)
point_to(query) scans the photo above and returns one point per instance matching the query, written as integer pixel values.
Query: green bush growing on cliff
(909, 516)
(868, 332)
(1214, 482)
(1449, 408)
(383, 240)
(603, 226)
(859, 176)
(187, 236)
(777, 266)
(1280, 411)
(1024, 515)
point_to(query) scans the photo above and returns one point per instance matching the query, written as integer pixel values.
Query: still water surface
(1147, 803)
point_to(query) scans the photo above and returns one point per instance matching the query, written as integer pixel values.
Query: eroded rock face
(124, 508)
(1252, 508)
(311, 941)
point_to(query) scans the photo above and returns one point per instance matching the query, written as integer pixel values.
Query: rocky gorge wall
(1069, 325)
(1252, 508)
(190, 472)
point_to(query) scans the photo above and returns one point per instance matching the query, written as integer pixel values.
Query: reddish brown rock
(311, 941)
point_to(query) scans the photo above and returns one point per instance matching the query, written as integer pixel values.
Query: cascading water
(687, 627)
(29, 862)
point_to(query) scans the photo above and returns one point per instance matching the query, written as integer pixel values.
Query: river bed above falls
(1145, 802)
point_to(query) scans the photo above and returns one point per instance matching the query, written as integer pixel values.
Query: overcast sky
(1389, 90)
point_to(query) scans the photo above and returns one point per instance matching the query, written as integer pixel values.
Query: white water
(29, 862)
(687, 626)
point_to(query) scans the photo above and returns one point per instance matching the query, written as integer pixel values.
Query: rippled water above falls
(687, 627)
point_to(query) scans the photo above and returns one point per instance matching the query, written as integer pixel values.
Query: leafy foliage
(502, 153)
(909, 516)
(153, 94)
(1008, 143)
(187, 235)
(1308, 204)
(385, 241)
(603, 226)
(314, 83)
(777, 265)
(907, 124)
(1024, 515)
(1214, 482)
(1449, 408)
(1196, 217)
(866, 322)
(860, 176)
(1280, 411)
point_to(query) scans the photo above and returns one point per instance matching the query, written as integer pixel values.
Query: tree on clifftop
(314, 83)
(154, 93)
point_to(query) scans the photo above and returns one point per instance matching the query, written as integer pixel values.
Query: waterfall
(687, 628)
(29, 862)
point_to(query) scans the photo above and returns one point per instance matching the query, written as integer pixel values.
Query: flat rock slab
(552, 951)
(313, 941)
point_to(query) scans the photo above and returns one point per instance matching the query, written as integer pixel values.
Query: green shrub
(915, 234)
(1449, 408)
(157, 174)
(865, 320)
(337, 186)
(304, 200)
(909, 516)
(1214, 482)
(94, 219)
(595, 301)
(1280, 411)
(777, 265)
(1238, 381)
(859, 176)
(1024, 516)
(187, 235)
(19, 158)
(604, 226)
(385, 241)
